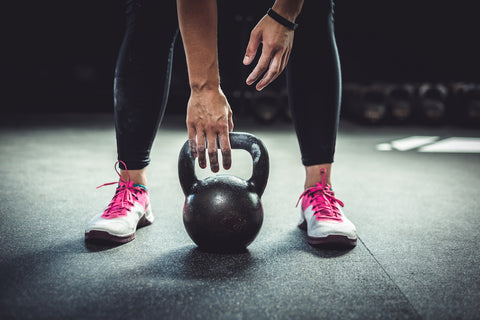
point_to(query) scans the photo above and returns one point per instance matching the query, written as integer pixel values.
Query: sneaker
(129, 209)
(322, 217)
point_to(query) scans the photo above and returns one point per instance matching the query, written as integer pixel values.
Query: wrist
(204, 75)
(281, 20)
(288, 9)
(199, 86)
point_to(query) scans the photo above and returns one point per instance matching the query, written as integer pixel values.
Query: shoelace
(323, 199)
(124, 195)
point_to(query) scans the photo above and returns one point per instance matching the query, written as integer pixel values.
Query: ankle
(136, 176)
(313, 174)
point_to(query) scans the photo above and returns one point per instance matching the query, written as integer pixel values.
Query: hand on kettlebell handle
(209, 121)
(225, 149)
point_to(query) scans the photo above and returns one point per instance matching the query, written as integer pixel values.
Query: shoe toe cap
(118, 226)
(325, 229)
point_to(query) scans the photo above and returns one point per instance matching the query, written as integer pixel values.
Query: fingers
(199, 146)
(274, 70)
(202, 161)
(213, 151)
(210, 145)
(200, 151)
(270, 66)
(252, 48)
(260, 68)
(224, 144)
(192, 140)
(224, 141)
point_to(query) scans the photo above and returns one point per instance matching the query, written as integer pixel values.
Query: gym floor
(417, 215)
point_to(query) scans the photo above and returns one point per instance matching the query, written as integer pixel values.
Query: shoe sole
(104, 235)
(333, 240)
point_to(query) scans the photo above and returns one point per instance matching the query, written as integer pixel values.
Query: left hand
(277, 42)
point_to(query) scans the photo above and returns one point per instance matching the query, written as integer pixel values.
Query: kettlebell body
(223, 213)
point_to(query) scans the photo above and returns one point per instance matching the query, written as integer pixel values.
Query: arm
(277, 42)
(208, 113)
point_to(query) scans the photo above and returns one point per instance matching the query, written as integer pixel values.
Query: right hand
(209, 116)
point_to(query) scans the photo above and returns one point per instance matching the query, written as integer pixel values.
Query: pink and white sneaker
(129, 209)
(322, 217)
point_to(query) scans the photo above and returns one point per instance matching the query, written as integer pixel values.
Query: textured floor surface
(417, 216)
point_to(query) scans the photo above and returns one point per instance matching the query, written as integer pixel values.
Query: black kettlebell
(223, 213)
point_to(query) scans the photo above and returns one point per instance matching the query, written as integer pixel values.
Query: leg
(314, 87)
(141, 86)
(314, 84)
(142, 81)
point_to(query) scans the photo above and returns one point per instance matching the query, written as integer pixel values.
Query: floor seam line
(391, 279)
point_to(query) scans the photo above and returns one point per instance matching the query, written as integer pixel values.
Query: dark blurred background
(59, 56)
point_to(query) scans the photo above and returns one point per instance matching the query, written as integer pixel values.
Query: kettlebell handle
(238, 140)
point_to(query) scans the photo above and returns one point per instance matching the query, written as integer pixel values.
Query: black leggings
(143, 73)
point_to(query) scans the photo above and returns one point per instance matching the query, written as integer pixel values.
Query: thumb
(252, 47)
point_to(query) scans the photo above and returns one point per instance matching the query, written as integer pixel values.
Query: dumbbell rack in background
(432, 104)
(456, 103)
(380, 103)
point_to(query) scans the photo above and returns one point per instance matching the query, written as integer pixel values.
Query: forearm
(289, 9)
(198, 26)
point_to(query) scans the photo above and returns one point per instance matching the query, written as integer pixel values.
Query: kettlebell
(223, 213)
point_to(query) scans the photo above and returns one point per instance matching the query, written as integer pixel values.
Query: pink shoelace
(323, 199)
(123, 199)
